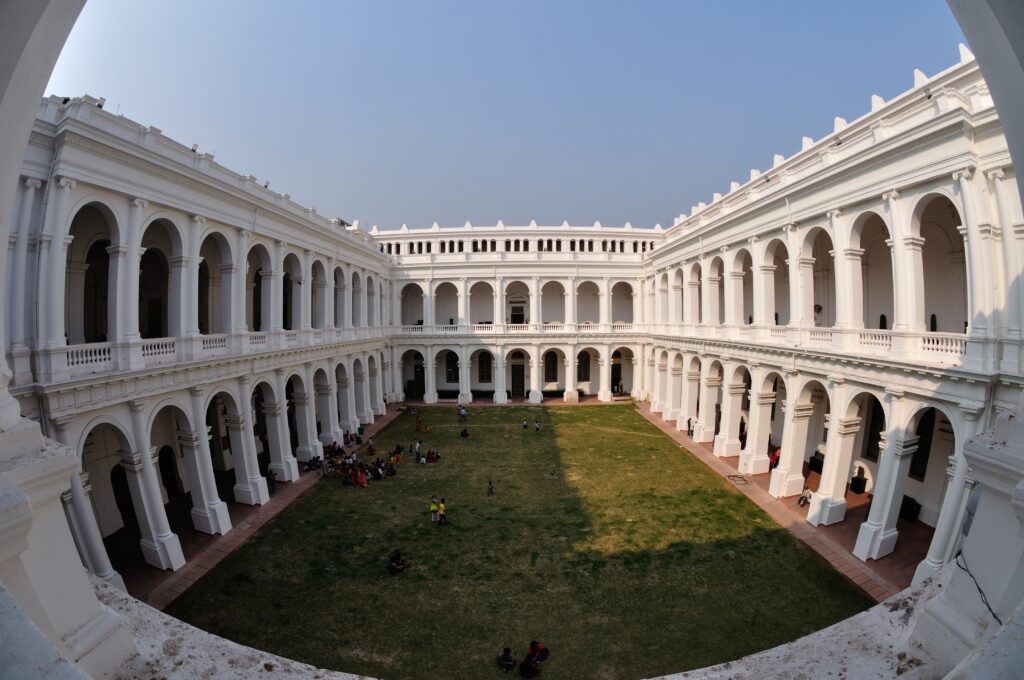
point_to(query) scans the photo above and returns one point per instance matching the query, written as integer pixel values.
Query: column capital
(32, 183)
(972, 410)
(913, 243)
(890, 195)
(234, 422)
(833, 214)
(198, 220)
(853, 253)
(964, 175)
(196, 390)
(136, 406)
(140, 203)
(66, 183)
(902, 447)
(995, 174)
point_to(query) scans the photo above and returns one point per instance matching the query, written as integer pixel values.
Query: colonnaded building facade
(187, 331)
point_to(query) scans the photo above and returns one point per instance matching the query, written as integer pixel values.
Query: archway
(291, 294)
(588, 304)
(819, 276)
(259, 290)
(518, 379)
(716, 300)
(481, 304)
(413, 375)
(447, 374)
(301, 419)
(159, 284)
(318, 291)
(777, 311)
(710, 414)
(362, 392)
(270, 427)
(622, 304)
(233, 452)
(177, 481)
(90, 309)
(214, 290)
(413, 312)
(943, 266)
(872, 283)
(552, 303)
(695, 295)
(766, 423)
(731, 437)
(588, 371)
(482, 378)
(446, 304)
(517, 303)
(322, 407)
(742, 275)
(552, 377)
(622, 371)
(803, 446)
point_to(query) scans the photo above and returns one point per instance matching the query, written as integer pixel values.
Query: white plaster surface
(873, 644)
(173, 650)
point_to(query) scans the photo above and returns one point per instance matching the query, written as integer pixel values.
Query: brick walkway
(175, 583)
(860, 573)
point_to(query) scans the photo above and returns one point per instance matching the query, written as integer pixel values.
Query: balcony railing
(945, 347)
(160, 351)
(215, 344)
(92, 358)
(876, 342)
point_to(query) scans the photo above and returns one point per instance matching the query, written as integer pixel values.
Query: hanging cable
(984, 600)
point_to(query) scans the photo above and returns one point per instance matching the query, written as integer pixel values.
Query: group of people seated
(346, 466)
(530, 666)
(397, 563)
(350, 439)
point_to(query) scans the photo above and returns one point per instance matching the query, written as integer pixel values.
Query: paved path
(841, 560)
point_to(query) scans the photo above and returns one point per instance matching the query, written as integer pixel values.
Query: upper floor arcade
(136, 253)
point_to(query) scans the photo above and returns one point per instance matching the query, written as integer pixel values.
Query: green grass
(605, 540)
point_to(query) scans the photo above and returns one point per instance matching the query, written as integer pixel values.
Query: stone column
(277, 294)
(734, 299)
(570, 304)
(688, 402)
(657, 376)
(160, 547)
(306, 429)
(361, 321)
(674, 383)
(463, 303)
(805, 280)
(130, 281)
(53, 301)
(190, 320)
(306, 297)
(605, 305)
(571, 394)
(828, 503)
(499, 305)
(347, 304)
(727, 442)
(764, 297)
(500, 396)
(366, 416)
(209, 512)
(333, 427)
(958, 482)
(430, 377)
(604, 392)
(465, 375)
(691, 312)
(788, 478)
(533, 358)
(282, 462)
(19, 323)
(978, 306)
(379, 408)
(754, 456)
(89, 532)
(176, 287)
(250, 486)
(704, 431)
(330, 302)
(534, 301)
(1010, 336)
(908, 275)
(877, 536)
(350, 397)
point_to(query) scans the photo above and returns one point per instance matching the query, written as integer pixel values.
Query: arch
(716, 298)
(778, 305)
(552, 303)
(588, 303)
(482, 381)
(518, 303)
(552, 370)
(518, 371)
(817, 268)
(259, 276)
(481, 303)
(664, 298)
(291, 293)
(372, 369)
(622, 302)
(622, 380)
(90, 297)
(872, 283)
(679, 288)
(412, 301)
(942, 274)
(359, 379)
(214, 288)
(413, 374)
(742, 272)
(446, 303)
(358, 318)
(321, 403)
(318, 292)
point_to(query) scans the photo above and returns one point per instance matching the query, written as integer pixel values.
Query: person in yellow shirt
(442, 513)
(433, 509)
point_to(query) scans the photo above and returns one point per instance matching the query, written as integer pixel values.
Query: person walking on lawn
(433, 510)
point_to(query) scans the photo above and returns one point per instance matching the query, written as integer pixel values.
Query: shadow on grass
(622, 552)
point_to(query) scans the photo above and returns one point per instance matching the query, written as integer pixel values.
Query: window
(483, 367)
(451, 368)
(551, 367)
(460, 246)
(583, 367)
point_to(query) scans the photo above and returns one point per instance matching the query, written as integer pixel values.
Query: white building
(184, 330)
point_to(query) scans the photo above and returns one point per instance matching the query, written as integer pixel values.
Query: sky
(445, 111)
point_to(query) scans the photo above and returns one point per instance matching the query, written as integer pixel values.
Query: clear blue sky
(415, 112)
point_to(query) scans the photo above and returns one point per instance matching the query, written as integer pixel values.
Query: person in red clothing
(530, 666)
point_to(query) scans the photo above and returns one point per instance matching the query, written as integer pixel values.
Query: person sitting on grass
(530, 667)
(361, 477)
(397, 563)
(464, 433)
(506, 661)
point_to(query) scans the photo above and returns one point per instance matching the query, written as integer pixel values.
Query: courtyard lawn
(605, 540)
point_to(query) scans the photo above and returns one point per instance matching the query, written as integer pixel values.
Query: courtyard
(604, 539)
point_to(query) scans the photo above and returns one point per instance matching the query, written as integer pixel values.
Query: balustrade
(92, 358)
(946, 347)
(875, 342)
